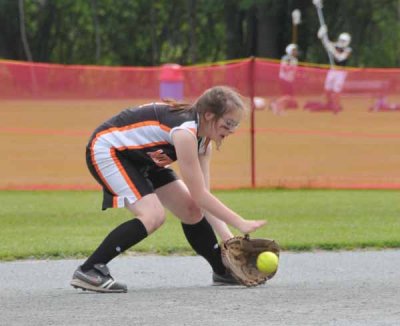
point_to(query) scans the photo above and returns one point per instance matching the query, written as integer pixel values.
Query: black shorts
(123, 179)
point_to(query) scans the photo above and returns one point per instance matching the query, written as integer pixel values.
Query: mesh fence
(47, 113)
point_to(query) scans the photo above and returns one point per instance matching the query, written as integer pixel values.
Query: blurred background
(150, 32)
(66, 66)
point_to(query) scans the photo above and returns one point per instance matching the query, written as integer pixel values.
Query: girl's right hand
(248, 226)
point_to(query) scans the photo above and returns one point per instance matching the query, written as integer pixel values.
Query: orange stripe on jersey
(115, 202)
(133, 126)
(96, 167)
(165, 128)
(123, 172)
(194, 131)
(121, 148)
(129, 127)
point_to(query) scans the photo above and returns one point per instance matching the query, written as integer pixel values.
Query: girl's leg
(94, 274)
(149, 216)
(176, 197)
(122, 184)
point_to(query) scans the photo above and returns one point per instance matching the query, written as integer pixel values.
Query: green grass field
(71, 224)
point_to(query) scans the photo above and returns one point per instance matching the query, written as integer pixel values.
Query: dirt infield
(324, 288)
(43, 146)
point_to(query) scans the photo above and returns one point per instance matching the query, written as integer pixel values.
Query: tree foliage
(152, 32)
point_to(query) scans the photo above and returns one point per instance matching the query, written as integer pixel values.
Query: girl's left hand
(249, 226)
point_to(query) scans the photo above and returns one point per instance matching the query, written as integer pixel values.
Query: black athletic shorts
(124, 179)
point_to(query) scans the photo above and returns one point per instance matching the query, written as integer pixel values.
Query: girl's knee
(153, 220)
(150, 211)
(159, 220)
(193, 213)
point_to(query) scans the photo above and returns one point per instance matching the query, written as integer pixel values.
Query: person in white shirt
(340, 52)
(287, 76)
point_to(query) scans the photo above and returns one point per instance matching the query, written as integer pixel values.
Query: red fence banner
(299, 133)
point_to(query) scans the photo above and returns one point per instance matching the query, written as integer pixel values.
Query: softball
(259, 103)
(267, 262)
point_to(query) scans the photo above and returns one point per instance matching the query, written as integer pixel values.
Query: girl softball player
(129, 156)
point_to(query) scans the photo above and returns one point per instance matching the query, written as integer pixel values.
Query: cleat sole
(78, 284)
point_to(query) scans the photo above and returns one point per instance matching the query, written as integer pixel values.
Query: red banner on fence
(296, 136)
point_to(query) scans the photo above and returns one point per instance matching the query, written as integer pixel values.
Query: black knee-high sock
(121, 238)
(202, 238)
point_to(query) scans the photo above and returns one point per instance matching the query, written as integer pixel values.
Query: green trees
(152, 32)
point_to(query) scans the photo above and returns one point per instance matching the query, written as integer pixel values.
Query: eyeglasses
(230, 124)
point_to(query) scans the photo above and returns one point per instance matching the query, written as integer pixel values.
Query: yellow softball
(267, 262)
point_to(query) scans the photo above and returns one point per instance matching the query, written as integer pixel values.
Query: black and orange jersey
(137, 131)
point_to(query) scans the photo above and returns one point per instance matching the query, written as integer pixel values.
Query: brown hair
(176, 105)
(219, 100)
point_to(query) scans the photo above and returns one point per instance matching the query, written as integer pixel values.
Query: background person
(336, 77)
(287, 75)
(382, 102)
(129, 156)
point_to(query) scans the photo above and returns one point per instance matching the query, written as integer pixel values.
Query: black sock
(202, 238)
(120, 239)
